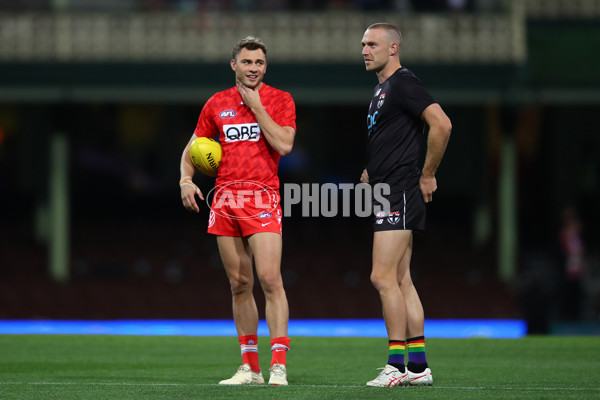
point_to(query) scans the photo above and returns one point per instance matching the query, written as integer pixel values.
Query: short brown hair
(250, 43)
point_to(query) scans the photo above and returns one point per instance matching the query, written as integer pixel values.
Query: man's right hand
(188, 192)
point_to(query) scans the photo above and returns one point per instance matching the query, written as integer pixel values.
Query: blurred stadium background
(98, 99)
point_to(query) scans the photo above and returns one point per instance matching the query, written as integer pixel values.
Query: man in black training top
(399, 110)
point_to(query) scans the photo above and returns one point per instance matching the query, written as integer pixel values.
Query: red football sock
(249, 346)
(279, 348)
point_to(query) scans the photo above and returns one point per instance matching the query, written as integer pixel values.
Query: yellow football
(205, 154)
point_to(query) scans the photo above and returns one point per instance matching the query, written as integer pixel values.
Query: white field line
(508, 388)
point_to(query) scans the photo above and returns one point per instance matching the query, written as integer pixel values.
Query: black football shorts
(406, 212)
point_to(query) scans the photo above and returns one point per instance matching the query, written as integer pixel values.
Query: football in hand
(205, 154)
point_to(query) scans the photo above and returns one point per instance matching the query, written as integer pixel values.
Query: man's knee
(381, 281)
(240, 284)
(406, 283)
(271, 282)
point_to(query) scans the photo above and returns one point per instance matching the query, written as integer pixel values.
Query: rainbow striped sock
(396, 355)
(417, 361)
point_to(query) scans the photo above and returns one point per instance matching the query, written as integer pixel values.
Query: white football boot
(420, 378)
(278, 375)
(244, 376)
(390, 377)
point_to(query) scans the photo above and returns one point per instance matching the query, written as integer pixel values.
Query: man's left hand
(428, 185)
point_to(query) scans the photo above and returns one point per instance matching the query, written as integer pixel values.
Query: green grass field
(69, 367)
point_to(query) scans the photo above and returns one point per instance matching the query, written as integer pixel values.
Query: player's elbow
(286, 141)
(442, 130)
(446, 127)
(285, 149)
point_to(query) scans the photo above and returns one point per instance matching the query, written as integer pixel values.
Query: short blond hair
(393, 32)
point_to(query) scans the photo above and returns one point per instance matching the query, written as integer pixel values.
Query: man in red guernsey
(256, 124)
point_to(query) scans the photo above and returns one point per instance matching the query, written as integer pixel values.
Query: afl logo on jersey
(381, 100)
(227, 114)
